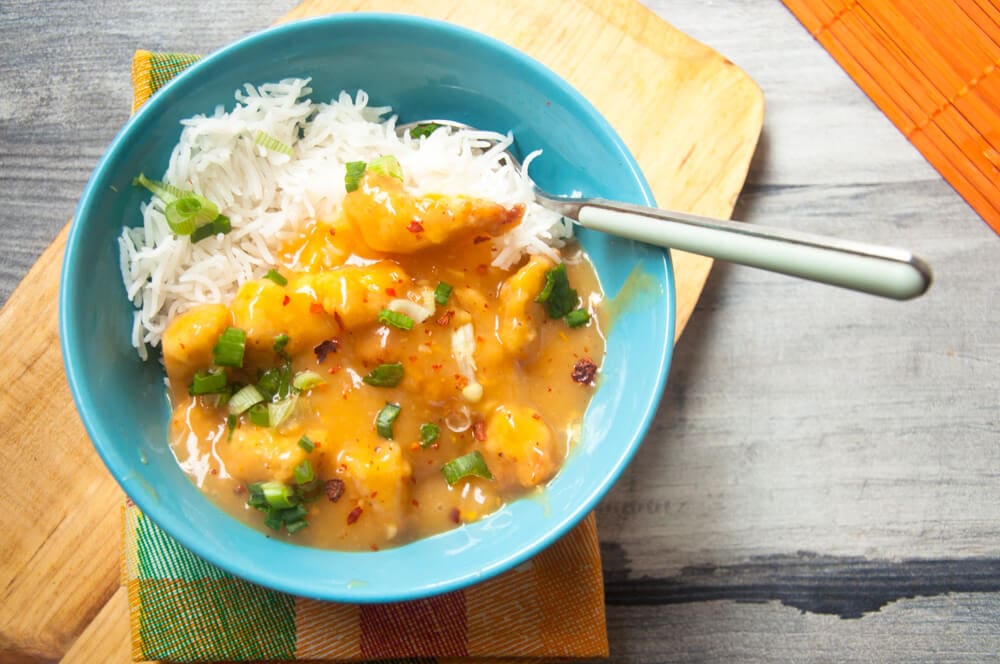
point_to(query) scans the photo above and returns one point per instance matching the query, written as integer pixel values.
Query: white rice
(269, 197)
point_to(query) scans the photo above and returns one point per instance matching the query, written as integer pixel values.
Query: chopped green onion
(396, 319)
(385, 375)
(218, 225)
(279, 411)
(278, 495)
(259, 416)
(245, 399)
(425, 129)
(167, 192)
(280, 341)
(386, 165)
(293, 514)
(256, 499)
(559, 299)
(295, 526)
(577, 318)
(276, 277)
(213, 381)
(352, 176)
(429, 433)
(229, 349)
(273, 519)
(275, 383)
(472, 464)
(385, 419)
(269, 142)
(306, 380)
(186, 214)
(303, 472)
(442, 293)
(306, 443)
(232, 421)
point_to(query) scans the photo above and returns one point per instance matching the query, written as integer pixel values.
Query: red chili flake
(334, 489)
(413, 358)
(482, 268)
(324, 348)
(333, 231)
(445, 319)
(335, 368)
(317, 444)
(479, 430)
(415, 227)
(373, 547)
(584, 372)
(390, 291)
(455, 515)
(480, 339)
(340, 322)
(536, 416)
(373, 494)
(285, 301)
(415, 502)
(354, 515)
(239, 489)
(436, 367)
(480, 238)
(213, 471)
(315, 308)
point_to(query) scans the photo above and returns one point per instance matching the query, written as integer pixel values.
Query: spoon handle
(884, 271)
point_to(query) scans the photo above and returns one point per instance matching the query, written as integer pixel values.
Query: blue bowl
(422, 69)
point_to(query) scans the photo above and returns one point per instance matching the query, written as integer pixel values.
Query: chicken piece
(378, 476)
(390, 219)
(257, 454)
(355, 295)
(189, 340)
(260, 308)
(519, 446)
(518, 316)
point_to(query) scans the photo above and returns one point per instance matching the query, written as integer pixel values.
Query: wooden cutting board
(690, 117)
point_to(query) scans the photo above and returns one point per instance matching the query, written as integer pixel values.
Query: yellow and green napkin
(184, 609)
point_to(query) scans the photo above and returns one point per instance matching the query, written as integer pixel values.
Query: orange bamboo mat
(932, 67)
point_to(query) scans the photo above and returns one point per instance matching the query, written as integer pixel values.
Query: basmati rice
(271, 197)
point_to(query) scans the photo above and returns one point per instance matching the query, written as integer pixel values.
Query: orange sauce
(519, 406)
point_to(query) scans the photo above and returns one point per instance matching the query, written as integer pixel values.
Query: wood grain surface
(821, 480)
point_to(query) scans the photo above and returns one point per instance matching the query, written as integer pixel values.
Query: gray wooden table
(822, 481)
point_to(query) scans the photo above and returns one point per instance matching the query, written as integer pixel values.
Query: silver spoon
(885, 271)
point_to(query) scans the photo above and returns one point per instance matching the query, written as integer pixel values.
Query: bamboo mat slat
(932, 67)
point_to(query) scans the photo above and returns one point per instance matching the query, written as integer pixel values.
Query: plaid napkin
(184, 609)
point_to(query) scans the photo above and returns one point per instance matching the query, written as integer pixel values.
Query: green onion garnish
(280, 341)
(353, 174)
(425, 129)
(386, 165)
(276, 277)
(275, 383)
(229, 349)
(279, 411)
(385, 375)
(186, 214)
(278, 495)
(429, 433)
(305, 442)
(295, 526)
(245, 399)
(213, 381)
(232, 421)
(559, 299)
(271, 143)
(167, 192)
(218, 225)
(306, 380)
(577, 318)
(385, 419)
(396, 319)
(303, 472)
(442, 293)
(259, 416)
(472, 464)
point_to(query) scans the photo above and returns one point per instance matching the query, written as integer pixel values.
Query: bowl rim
(172, 523)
